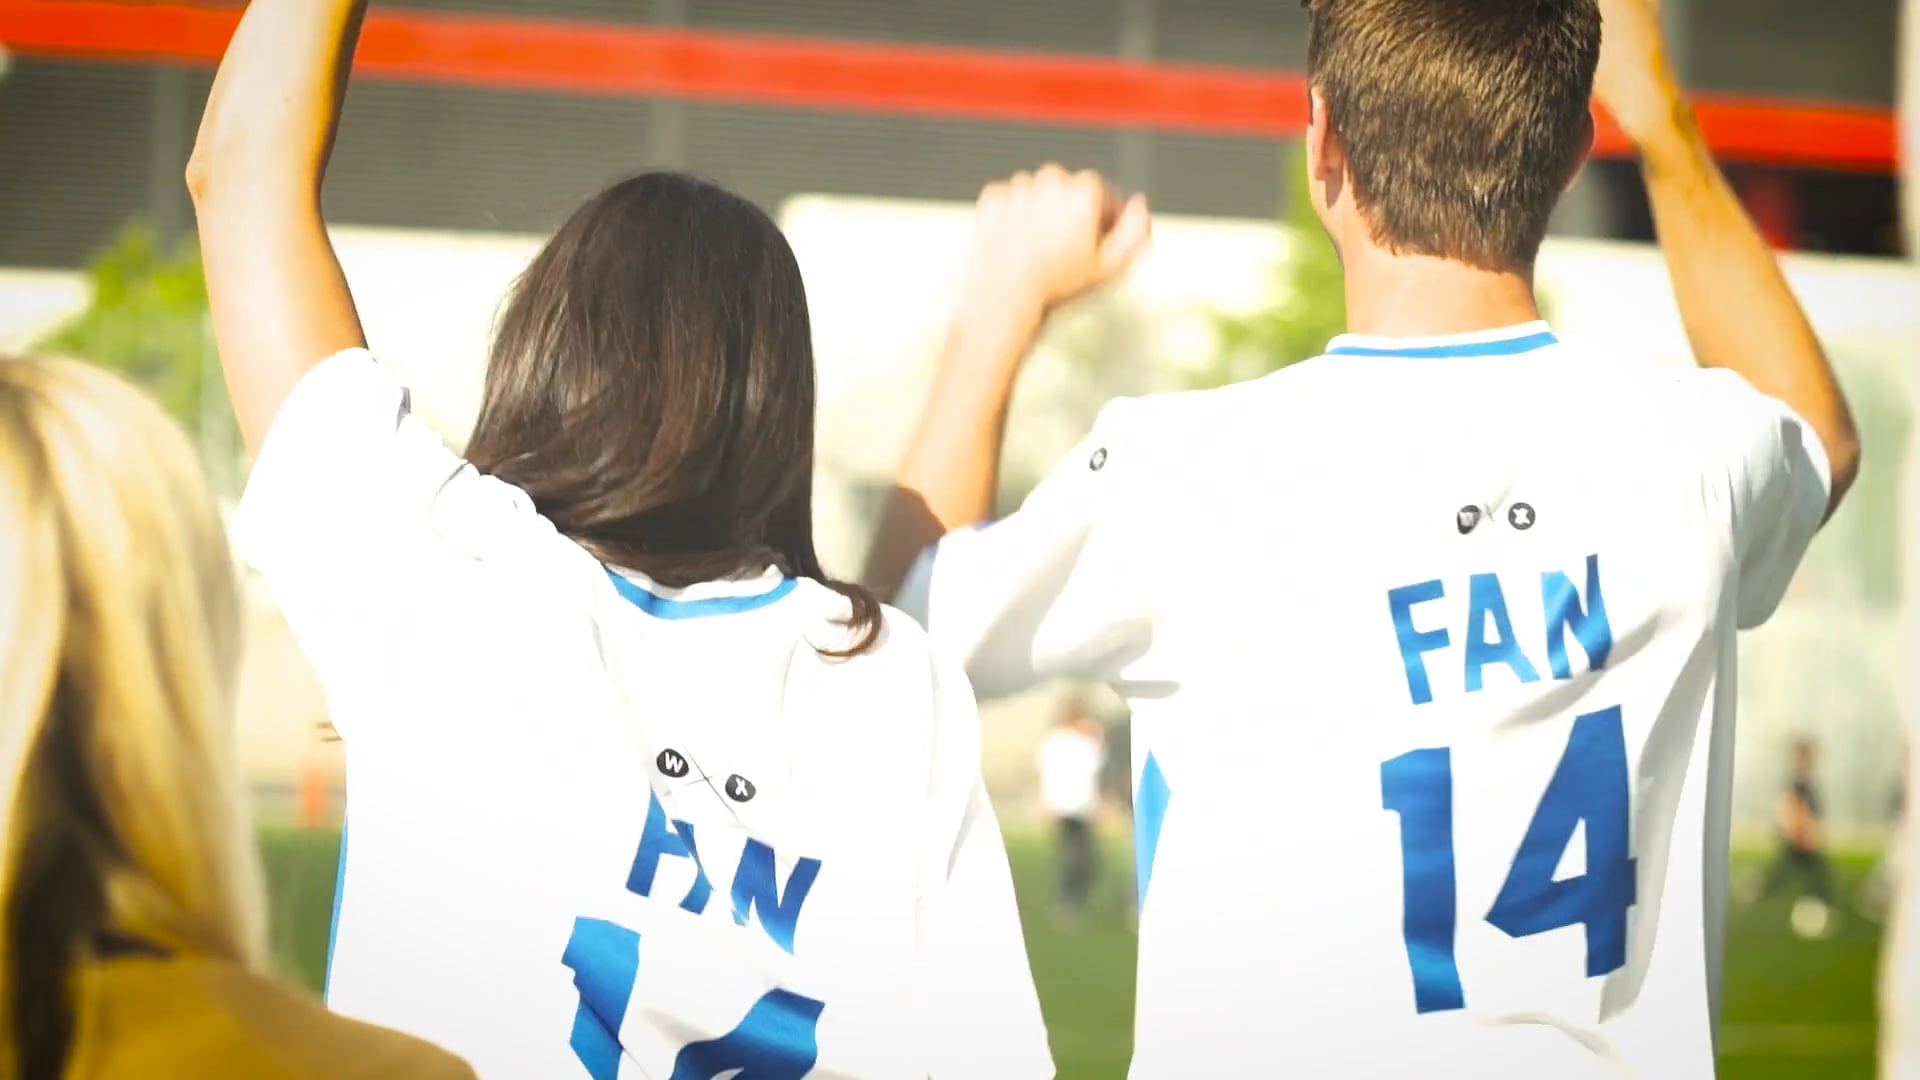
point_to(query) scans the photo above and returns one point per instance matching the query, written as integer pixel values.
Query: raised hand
(279, 300)
(1039, 240)
(1635, 81)
(1047, 237)
(1738, 310)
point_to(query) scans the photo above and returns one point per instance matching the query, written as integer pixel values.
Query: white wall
(34, 302)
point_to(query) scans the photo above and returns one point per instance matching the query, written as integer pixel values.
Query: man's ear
(1325, 158)
(1586, 152)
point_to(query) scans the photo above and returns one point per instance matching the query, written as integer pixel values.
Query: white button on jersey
(602, 829)
(1430, 647)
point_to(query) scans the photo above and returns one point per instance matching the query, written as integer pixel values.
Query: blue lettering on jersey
(1418, 786)
(1149, 815)
(604, 957)
(1590, 791)
(661, 837)
(1487, 602)
(1414, 644)
(753, 888)
(1489, 631)
(1588, 623)
(774, 1041)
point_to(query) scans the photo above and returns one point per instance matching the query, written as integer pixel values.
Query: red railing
(822, 73)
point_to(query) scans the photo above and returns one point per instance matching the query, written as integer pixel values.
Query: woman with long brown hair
(631, 781)
(134, 942)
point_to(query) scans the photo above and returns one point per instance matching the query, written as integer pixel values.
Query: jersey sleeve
(1778, 482)
(350, 501)
(977, 994)
(1049, 590)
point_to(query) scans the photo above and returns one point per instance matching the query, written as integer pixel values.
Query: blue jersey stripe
(665, 608)
(1149, 812)
(333, 926)
(1505, 347)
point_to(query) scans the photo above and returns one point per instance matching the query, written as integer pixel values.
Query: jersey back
(1431, 654)
(601, 828)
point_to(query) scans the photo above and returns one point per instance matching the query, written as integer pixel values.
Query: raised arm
(280, 302)
(1738, 310)
(1040, 240)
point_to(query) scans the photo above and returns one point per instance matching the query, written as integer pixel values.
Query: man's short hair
(1462, 120)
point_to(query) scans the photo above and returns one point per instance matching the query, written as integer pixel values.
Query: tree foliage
(1307, 304)
(147, 322)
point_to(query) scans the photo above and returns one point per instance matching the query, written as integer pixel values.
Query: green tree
(1308, 307)
(1308, 304)
(148, 322)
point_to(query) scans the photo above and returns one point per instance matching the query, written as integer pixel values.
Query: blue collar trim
(1499, 347)
(663, 607)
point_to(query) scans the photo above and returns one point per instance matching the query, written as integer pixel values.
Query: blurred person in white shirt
(1071, 758)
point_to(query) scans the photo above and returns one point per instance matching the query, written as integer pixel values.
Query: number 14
(1589, 785)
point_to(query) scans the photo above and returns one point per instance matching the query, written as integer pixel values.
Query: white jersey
(602, 829)
(1430, 647)
(1070, 764)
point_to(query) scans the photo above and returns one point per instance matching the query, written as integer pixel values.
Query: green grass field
(1793, 1008)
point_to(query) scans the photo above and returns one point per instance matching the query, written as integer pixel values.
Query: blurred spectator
(1803, 853)
(135, 937)
(1071, 759)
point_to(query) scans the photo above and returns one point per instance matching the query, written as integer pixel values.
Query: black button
(1520, 516)
(740, 789)
(671, 762)
(1098, 460)
(1466, 518)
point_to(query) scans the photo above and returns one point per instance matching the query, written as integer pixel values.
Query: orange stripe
(899, 78)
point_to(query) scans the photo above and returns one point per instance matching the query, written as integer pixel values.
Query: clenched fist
(1635, 82)
(1049, 236)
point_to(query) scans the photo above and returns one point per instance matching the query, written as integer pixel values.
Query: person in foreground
(633, 787)
(1477, 616)
(1899, 989)
(135, 920)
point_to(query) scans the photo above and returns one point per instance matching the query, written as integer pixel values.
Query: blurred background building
(867, 126)
(503, 125)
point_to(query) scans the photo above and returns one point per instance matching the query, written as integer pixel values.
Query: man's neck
(1418, 296)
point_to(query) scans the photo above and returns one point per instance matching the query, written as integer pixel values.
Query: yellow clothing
(160, 1018)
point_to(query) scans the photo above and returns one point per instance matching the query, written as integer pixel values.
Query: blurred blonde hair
(119, 650)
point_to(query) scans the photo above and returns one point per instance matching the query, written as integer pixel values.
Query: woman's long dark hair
(651, 387)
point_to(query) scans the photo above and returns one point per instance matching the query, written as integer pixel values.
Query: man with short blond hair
(1429, 642)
